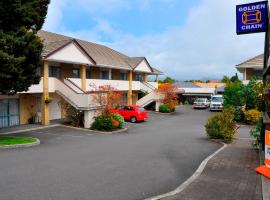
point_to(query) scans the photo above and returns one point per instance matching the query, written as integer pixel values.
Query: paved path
(152, 158)
(229, 175)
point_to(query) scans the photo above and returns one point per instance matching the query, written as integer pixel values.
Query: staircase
(150, 97)
(74, 95)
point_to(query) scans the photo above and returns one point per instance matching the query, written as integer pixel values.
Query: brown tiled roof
(209, 85)
(102, 55)
(255, 63)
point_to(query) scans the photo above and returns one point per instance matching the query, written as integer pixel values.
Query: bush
(164, 108)
(255, 133)
(252, 116)
(120, 119)
(75, 116)
(222, 126)
(239, 114)
(103, 123)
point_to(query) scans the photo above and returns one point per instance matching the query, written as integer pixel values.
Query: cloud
(206, 46)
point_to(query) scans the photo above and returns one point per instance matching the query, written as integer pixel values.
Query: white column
(157, 105)
(110, 74)
(88, 118)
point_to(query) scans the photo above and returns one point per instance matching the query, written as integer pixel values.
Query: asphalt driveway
(152, 158)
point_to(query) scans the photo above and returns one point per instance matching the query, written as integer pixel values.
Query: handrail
(75, 85)
(148, 85)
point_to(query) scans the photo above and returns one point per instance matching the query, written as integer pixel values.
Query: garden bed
(14, 142)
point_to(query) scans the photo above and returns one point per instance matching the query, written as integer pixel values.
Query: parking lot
(152, 158)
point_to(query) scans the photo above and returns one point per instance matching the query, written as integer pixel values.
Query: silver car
(201, 103)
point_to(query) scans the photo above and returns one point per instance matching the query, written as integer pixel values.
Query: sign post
(253, 18)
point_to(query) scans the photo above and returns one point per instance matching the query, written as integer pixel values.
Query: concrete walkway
(229, 175)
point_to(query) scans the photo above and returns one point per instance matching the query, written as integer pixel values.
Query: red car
(132, 113)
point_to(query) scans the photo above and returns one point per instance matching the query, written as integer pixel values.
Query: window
(138, 77)
(123, 76)
(88, 73)
(75, 73)
(104, 75)
(54, 71)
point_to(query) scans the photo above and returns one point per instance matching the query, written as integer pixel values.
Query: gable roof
(101, 55)
(254, 63)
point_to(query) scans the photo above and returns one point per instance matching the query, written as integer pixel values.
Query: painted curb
(37, 142)
(95, 131)
(195, 175)
(29, 129)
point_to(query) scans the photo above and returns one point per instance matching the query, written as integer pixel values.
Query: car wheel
(133, 119)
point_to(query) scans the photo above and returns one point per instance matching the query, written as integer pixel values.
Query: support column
(129, 101)
(88, 118)
(157, 105)
(145, 77)
(83, 77)
(45, 94)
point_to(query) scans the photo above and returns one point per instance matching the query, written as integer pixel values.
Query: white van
(216, 102)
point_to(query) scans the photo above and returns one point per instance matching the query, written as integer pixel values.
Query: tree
(234, 94)
(106, 96)
(20, 47)
(169, 93)
(225, 79)
(168, 80)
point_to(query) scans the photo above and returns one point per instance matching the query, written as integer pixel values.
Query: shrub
(103, 123)
(222, 126)
(120, 119)
(75, 116)
(239, 114)
(164, 108)
(252, 116)
(255, 133)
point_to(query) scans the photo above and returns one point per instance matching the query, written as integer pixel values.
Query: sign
(252, 17)
(267, 149)
(265, 169)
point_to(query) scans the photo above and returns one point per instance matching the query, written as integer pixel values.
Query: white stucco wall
(143, 67)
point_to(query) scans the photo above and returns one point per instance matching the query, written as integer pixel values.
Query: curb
(15, 146)
(95, 131)
(29, 129)
(195, 175)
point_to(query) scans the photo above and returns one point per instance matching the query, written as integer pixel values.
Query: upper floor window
(75, 73)
(104, 75)
(54, 71)
(138, 77)
(88, 73)
(123, 76)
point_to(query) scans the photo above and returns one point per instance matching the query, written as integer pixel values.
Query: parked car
(201, 103)
(216, 102)
(131, 113)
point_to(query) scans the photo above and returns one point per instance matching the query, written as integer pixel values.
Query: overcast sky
(186, 39)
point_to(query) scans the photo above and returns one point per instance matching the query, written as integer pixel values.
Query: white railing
(149, 98)
(74, 84)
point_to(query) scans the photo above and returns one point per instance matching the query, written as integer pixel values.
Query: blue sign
(252, 17)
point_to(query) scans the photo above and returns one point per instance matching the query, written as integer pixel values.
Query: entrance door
(9, 112)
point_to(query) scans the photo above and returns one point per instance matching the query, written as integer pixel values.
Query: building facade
(251, 67)
(72, 69)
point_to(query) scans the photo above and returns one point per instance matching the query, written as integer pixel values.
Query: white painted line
(196, 174)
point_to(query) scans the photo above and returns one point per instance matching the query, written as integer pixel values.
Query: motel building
(71, 68)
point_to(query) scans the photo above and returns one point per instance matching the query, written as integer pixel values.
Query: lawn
(11, 140)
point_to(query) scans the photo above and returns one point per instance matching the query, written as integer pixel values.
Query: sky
(186, 39)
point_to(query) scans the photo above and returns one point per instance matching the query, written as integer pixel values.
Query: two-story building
(71, 68)
(251, 67)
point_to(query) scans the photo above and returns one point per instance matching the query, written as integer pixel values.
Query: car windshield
(217, 99)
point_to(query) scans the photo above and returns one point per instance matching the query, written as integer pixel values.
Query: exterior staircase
(152, 96)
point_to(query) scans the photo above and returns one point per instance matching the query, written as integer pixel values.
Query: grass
(11, 140)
